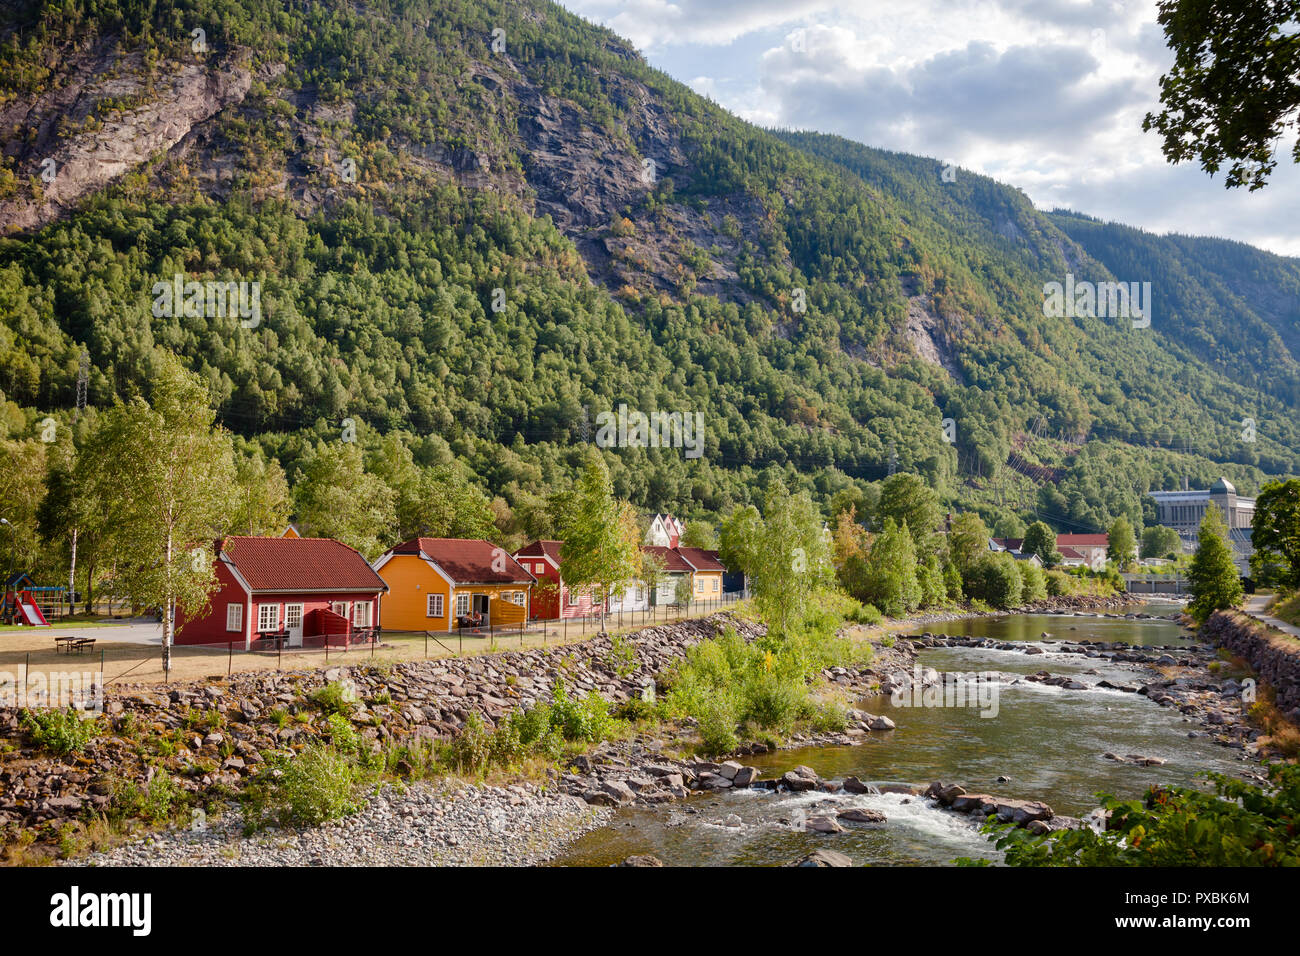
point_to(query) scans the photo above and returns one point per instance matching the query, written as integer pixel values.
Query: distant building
(1091, 547)
(1183, 510)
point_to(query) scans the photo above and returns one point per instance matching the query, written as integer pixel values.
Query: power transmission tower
(83, 377)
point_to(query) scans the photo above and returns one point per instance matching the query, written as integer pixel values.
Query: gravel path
(518, 825)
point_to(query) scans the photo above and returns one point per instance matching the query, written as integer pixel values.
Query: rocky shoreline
(419, 825)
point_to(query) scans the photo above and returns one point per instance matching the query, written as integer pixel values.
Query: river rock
(800, 778)
(880, 722)
(822, 824)
(823, 858)
(860, 815)
(644, 859)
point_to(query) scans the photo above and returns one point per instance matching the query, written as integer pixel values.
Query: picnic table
(68, 644)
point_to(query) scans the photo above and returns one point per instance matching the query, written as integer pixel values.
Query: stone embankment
(1275, 658)
(214, 733)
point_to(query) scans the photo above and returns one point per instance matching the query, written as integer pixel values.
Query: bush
(317, 785)
(717, 723)
(155, 803)
(1241, 824)
(336, 697)
(1035, 582)
(471, 749)
(1059, 584)
(61, 732)
(996, 579)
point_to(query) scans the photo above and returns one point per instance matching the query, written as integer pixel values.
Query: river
(1048, 741)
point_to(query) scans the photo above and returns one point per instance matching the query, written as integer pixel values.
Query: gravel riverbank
(420, 825)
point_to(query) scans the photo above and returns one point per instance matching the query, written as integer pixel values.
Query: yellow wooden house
(442, 584)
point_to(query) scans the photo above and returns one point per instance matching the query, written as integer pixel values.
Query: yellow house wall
(410, 582)
(705, 580)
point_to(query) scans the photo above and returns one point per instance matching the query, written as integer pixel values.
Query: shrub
(317, 785)
(336, 697)
(61, 732)
(471, 749)
(155, 803)
(717, 722)
(1035, 582)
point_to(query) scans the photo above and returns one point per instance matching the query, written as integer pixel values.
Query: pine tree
(1213, 578)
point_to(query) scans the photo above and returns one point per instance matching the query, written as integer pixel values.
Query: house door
(293, 624)
(481, 604)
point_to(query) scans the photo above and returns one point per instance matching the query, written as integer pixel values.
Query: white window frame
(289, 610)
(357, 608)
(262, 626)
(573, 597)
(235, 618)
(715, 584)
(433, 605)
(462, 604)
(340, 608)
(699, 585)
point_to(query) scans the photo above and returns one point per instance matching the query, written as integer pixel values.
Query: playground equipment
(25, 602)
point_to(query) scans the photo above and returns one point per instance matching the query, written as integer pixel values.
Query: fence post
(460, 634)
(426, 645)
(230, 656)
(279, 650)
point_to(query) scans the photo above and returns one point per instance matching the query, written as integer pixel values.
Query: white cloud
(1046, 95)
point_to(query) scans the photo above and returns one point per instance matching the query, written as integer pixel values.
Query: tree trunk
(168, 609)
(72, 573)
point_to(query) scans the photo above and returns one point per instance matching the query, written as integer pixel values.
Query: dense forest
(462, 263)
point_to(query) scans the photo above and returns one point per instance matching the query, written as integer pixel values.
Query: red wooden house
(553, 599)
(302, 592)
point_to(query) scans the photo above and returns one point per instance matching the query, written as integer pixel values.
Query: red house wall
(211, 628)
(549, 607)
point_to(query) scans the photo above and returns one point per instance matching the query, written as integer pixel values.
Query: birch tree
(601, 534)
(162, 476)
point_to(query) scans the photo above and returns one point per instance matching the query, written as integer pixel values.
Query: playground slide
(31, 613)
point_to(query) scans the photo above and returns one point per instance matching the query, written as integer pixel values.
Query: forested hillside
(471, 243)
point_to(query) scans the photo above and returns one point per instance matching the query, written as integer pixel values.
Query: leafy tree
(968, 539)
(784, 554)
(850, 544)
(601, 534)
(891, 578)
(1034, 581)
(162, 475)
(1212, 578)
(1232, 93)
(337, 498)
(1121, 543)
(699, 534)
(22, 489)
(1008, 526)
(906, 499)
(1040, 539)
(1159, 541)
(995, 579)
(1276, 527)
(262, 501)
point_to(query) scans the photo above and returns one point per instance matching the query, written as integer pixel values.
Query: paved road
(134, 631)
(1255, 608)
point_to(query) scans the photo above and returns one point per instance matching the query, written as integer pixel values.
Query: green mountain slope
(480, 250)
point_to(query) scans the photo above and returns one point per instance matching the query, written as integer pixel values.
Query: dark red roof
(702, 560)
(541, 548)
(672, 560)
(468, 560)
(1086, 540)
(299, 564)
(1068, 552)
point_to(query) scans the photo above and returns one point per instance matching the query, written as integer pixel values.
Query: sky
(1045, 95)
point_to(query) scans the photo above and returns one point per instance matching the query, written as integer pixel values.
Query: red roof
(468, 560)
(702, 560)
(1011, 544)
(542, 548)
(298, 564)
(671, 558)
(1082, 540)
(1068, 552)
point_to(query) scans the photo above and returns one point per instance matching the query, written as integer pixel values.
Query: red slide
(31, 613)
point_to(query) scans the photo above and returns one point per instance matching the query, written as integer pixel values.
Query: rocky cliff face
(109, 117)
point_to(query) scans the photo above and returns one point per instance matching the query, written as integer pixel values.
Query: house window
(268, 617)
(361, 614)
(293, 615)
(521, 598)
(539, 568)
(340, 608)
(699, 585)
(462, 605)
(640, 594)
(435, 606)
(573, 599)
(235, 617)
(715, 584)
